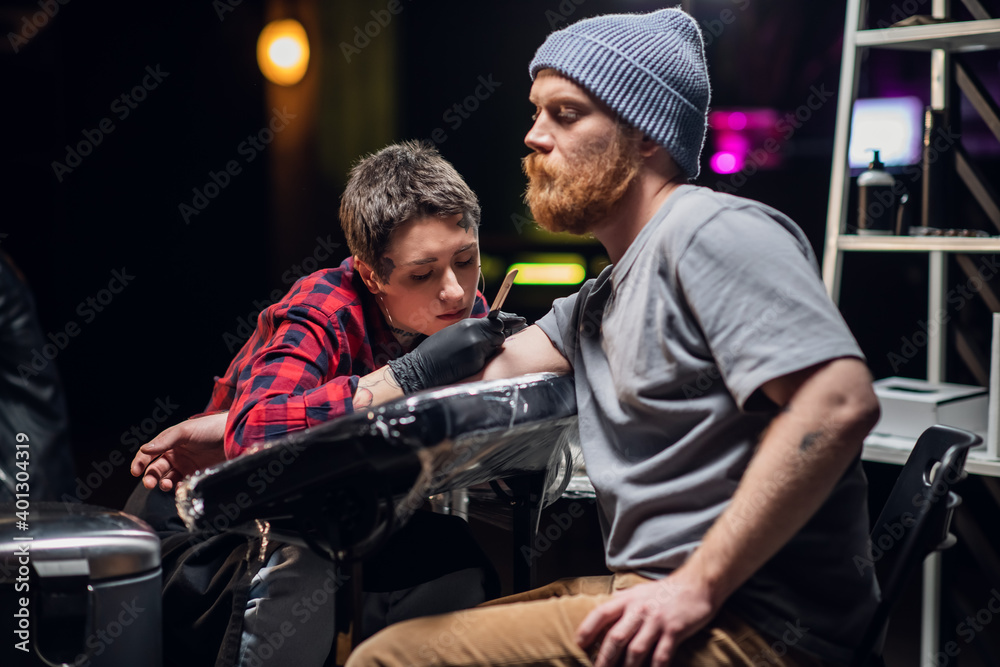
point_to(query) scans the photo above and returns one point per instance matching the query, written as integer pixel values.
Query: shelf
(955, 37)
(851, 242)
(893, 449)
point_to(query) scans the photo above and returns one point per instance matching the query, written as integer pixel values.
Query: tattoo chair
(344, 487)
(914, 523)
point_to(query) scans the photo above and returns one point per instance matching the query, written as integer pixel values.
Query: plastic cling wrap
(345, 485)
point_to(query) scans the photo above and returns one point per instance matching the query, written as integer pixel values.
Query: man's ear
(660, 159)
(367, 276)
(647, 146)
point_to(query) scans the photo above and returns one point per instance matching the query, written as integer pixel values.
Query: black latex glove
(512, 322)
(450, 355)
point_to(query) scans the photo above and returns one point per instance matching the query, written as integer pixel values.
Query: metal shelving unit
(954, 37)
(940, 40)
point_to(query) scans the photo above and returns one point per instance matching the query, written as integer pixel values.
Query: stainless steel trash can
(79, 585)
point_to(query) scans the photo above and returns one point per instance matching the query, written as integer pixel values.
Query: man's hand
(654, 617)
(181, 450)
(450, 355)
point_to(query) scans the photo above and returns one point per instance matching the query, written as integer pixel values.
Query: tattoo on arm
(363, 398)
(808, 440)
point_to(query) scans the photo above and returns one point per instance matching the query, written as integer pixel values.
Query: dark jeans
(429, 566)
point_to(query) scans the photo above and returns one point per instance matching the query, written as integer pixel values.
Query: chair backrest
(915, 519)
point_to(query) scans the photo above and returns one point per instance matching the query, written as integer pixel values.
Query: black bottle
(876, 200)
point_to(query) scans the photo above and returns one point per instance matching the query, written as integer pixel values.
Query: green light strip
(548, 274)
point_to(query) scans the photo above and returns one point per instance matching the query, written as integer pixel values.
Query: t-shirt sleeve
(560, 324)
(757, 297)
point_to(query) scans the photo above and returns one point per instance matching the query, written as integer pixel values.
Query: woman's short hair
(401, 182)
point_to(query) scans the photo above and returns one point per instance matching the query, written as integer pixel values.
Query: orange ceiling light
(283, 52)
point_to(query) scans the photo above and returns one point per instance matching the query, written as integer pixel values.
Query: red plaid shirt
(302, 364)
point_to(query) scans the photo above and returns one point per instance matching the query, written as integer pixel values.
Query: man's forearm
(801, 456)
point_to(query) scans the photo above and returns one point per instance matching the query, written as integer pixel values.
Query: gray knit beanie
(649, 68)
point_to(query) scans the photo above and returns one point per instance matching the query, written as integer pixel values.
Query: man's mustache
(536, 170)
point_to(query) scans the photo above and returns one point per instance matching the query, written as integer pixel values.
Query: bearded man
(722, 399)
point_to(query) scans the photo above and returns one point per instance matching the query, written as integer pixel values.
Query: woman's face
(429, 275)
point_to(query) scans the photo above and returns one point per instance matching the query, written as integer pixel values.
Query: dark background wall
(143, 306)
(195, 280)
(102, 241)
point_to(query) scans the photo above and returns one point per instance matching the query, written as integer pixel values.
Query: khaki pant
(537, 628)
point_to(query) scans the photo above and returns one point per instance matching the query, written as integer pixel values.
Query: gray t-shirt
(715, 297)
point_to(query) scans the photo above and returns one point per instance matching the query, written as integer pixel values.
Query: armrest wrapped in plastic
(345, 485)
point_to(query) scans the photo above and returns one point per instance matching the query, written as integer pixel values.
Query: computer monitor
(892, 125)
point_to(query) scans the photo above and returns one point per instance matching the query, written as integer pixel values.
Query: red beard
(576, 197)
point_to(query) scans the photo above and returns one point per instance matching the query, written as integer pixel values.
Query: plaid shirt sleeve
(299, 377)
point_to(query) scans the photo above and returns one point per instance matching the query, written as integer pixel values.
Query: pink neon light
(726, 163)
